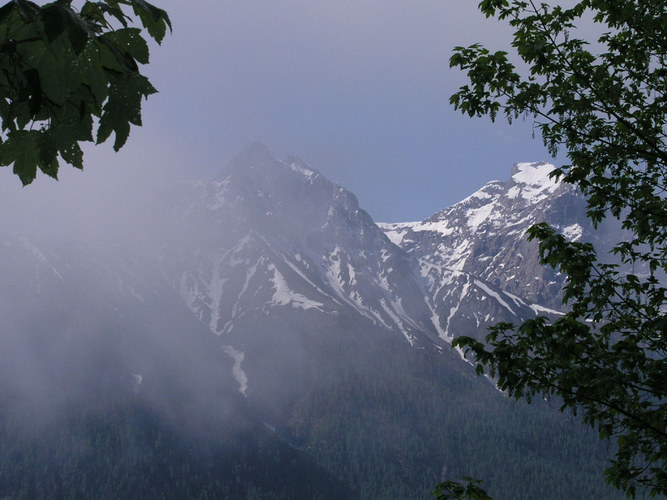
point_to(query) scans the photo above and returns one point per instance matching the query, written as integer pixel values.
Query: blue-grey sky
(359, 89)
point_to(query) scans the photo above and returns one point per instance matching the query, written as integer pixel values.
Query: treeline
(127, 451)
(372, 420)
(396, 426)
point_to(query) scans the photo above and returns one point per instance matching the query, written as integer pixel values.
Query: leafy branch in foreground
(603, 101)
(63, 70)
(467, 489)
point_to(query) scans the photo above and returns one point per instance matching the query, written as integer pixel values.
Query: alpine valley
(265, 338)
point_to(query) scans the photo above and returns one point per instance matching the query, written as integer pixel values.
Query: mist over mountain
(263, 328)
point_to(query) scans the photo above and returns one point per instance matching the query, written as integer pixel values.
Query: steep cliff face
(485, 234)
(272, 235)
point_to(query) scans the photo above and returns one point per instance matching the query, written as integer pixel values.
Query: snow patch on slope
(541, 309)
(396, 231)
(477, 216)
(283, 295)
(573, 232)
(307, 173)
(237, 372)
(214, 291)
(533, 182)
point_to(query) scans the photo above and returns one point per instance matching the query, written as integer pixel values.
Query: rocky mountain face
(281, 236)
(281, 240)
(469, 251)
(485, 234)
(270, 301)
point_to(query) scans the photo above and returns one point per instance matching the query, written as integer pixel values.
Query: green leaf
(22, 149)
(123, 107)
(73, 155)
(91, 74)
(53, 75)
(5, 11)
(29, 10)
(129, 40)
(70, 126)
(92, 12)
(113, 10)
(60, 68)
(34, 87)
(59, 18)
(113, 57)
(154, 19)
(48, 154)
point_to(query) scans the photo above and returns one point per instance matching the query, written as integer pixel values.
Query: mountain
(302, 242)
(485, 234)
(270, 321)
(298, 242)
(477, 250)
(110, 388)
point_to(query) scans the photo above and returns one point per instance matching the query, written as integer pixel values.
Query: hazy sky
(357, 88)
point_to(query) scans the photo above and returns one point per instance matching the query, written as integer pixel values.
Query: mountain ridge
(485, 233)
(288, 314)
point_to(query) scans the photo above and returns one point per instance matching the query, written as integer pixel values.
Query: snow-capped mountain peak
(283, 241)
(532, 182)
(484, 235)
